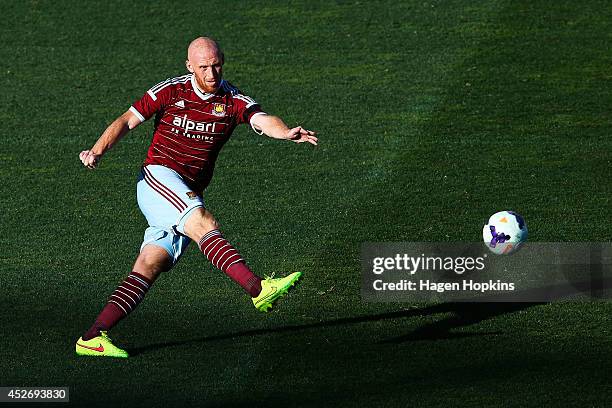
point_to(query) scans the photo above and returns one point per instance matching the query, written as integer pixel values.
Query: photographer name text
(441, 287)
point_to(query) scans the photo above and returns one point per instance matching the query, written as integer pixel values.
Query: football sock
(121, 303)
(225, 257)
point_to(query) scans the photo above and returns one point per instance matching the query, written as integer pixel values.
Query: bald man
(195, 115)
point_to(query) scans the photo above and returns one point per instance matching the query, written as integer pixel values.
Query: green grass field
(432, 115)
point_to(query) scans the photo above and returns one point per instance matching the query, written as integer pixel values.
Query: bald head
(203, 45)
(205, 61)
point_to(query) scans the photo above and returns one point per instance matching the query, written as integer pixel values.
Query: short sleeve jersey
(191, 126)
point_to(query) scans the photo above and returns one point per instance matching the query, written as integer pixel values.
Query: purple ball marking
(497, 238)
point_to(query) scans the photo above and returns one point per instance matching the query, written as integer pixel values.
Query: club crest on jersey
(192, 195)
(218, 109)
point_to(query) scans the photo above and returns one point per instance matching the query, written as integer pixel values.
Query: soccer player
(195, 115)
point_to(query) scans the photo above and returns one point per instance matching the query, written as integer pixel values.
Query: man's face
(207, 66)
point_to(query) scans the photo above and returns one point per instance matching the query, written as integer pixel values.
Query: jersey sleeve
(246, 108)
(154, 100)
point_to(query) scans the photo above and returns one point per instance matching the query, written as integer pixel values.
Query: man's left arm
(274, 127)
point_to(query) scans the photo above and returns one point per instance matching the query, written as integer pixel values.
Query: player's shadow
(462, 314)
(440, 308)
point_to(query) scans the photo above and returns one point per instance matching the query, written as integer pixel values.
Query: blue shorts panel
(166, 202)
(173, 243)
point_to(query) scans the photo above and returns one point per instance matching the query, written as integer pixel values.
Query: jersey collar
(203, 95)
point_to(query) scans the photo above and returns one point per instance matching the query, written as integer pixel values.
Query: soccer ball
(504, 232)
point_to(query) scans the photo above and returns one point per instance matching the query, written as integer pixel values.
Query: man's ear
(188, 65)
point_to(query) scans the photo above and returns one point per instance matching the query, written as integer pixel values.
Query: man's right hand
(89, 159)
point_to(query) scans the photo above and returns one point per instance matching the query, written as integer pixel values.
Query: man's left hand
(301, 135)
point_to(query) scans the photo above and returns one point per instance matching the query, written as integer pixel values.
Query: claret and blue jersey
(191, 126)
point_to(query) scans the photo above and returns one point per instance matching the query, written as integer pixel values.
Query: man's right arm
(113, 133)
